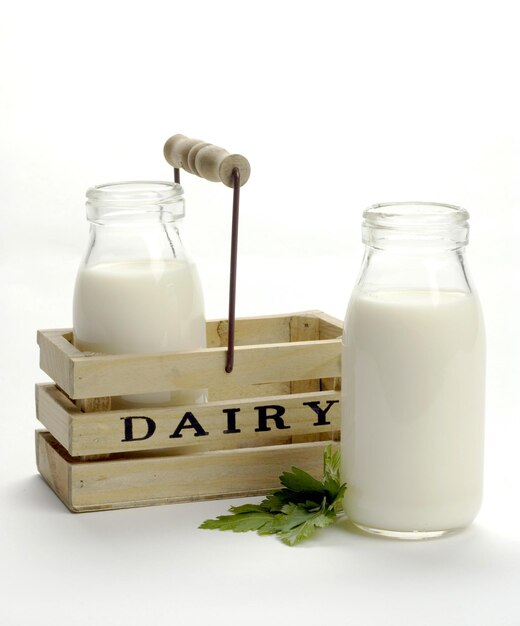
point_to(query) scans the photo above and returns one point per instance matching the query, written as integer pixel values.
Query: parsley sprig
(294, 512)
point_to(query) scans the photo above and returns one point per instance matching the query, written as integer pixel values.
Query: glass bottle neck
(412, 227)
(441, 271)
(152, 242)
(414, 246)
(135, 221)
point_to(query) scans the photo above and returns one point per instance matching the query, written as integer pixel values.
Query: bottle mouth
(135, 200)
(421, 222)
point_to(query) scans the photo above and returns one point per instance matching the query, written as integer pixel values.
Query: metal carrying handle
(206, 160)
(217, 165)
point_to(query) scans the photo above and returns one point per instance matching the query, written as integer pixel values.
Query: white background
(337, 105)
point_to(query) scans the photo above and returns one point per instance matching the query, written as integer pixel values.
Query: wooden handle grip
(205, 160)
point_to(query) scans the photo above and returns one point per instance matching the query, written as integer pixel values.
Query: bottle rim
(403, 215)
(135, 192)
(424, 223)
(114, 200)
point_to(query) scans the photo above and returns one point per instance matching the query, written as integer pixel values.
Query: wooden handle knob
(205, 160)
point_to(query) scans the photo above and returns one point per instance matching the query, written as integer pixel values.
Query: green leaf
(239, 522)
(298, 480)
(331, 465)
(295, 511)
(273, 502)
(301, 497)
(337, 503)
(293, 515)
(247, 508)
(331, 473)
(303, 531)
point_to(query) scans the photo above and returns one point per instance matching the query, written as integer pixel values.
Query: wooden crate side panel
(304, 328)
(53, 411)
(330, 328)
(55, 356)
(53, 467)
(160, 480)
(229, 423)
(123, 374)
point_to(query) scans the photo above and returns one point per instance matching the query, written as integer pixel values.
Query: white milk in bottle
(137, 291)
(413, 377)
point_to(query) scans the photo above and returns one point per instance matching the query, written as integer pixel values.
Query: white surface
(382, 101)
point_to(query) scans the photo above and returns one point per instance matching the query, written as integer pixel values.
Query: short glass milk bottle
(413, 376)
(137, 291)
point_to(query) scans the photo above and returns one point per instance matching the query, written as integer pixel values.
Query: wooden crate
(279, 407)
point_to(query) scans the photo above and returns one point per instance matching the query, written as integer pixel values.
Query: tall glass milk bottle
(413, 376)
(137, 291)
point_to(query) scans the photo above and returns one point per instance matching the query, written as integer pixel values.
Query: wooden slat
(249, 391)
(258, 330)
(87, 405)
(102, 432)
(263, 330)
(113, 484)
(331, 384)
(124, 374)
